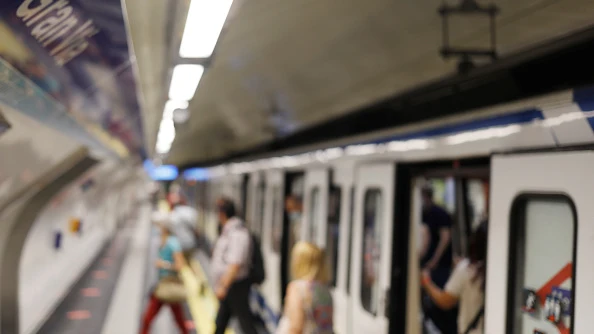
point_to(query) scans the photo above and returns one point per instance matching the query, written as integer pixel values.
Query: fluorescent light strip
(204, 24)
(184, 81)
(171, 105)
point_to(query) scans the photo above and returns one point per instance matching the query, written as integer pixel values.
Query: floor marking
(91, 292)
(100, 274)
(78, 315)
(203, 307)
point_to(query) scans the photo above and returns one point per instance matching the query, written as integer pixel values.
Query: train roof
(554, 120)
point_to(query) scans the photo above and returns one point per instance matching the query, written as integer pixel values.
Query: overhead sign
(77, 53)
(161, 172)
(196, 174)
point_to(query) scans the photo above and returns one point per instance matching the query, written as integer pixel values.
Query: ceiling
(285, 66)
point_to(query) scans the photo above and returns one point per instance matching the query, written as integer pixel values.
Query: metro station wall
(46, 273)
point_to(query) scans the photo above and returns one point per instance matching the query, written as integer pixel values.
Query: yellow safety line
(202, 301)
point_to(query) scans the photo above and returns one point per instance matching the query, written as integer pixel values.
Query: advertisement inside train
(75, 53)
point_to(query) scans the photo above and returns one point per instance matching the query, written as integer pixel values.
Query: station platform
(111, 295)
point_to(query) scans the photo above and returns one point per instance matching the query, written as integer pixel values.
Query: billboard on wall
(77, 52)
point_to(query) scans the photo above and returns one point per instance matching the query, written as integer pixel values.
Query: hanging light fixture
(466, 54)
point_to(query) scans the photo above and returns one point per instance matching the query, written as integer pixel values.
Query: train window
(542, 256)
(444, 193)
(333, 233)
(314, 214)
(351, 215)
(477, 192)
(276, 221)
(372, 236)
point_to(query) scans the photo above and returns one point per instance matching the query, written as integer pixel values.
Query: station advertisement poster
(77, 52)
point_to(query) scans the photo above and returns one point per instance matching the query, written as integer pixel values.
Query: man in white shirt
(230, 266)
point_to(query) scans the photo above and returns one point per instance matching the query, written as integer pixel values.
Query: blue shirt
(166, 252)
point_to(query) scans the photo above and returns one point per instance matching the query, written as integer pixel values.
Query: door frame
(285, 252)
(406, 173)
(361, 187)
(343, 177)
(312, 181)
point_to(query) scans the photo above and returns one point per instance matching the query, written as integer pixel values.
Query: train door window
(314, 214)
(372, 243)
(277, 227)
(333, 232)
(542, 253)
(349, 257)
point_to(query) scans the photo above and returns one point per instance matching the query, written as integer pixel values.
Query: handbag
(171, 290)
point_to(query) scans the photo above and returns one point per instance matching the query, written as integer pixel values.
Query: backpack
(257, 274)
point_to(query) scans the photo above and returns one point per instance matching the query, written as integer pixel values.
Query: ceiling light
(163, 148)
(171, 106)
(204, 24)
(184, 81)
(181, 116)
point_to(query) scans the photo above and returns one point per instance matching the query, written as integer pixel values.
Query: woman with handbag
(466, 285)
(170, 289)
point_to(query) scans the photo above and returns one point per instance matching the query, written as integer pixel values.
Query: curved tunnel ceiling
(282, 67)
(77, 69)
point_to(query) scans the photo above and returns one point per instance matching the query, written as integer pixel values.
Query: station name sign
(57, 27)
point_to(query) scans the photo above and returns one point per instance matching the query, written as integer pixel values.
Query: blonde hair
(308, 262)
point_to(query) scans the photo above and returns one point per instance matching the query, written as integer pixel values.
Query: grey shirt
(232, 247)
(184, 219)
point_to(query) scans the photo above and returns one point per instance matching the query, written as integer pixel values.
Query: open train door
(372, 246)
(539, 201)
(315, 205)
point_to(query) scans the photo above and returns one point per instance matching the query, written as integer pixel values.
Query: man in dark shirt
(436, 230)
(436, 256)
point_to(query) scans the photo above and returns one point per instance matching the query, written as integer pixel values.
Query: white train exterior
(537, 158)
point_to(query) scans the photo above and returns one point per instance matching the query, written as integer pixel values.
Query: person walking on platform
(184, 219)
(230, 270)
(308, 305)
(170, 289)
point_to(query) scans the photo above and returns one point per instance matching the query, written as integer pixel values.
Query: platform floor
(111, 295)
(84, 309)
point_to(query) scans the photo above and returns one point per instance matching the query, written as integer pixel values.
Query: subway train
(524, 165)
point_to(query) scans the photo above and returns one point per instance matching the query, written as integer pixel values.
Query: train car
(524, 165)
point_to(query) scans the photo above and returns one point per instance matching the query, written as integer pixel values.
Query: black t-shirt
(436, 218)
